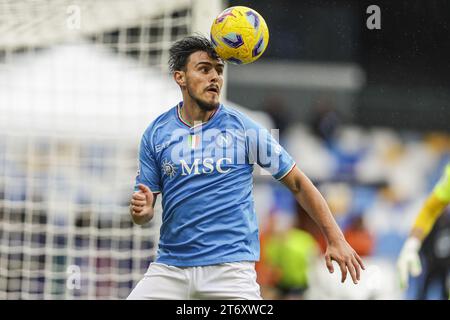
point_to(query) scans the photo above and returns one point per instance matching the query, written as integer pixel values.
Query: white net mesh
(79, 82)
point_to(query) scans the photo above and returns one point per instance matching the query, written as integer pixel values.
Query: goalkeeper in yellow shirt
(409, 260)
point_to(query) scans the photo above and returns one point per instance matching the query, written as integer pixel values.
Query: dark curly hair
(180, 51)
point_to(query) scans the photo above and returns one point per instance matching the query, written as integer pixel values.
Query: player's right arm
(409, 259)
(147, 182)
(142, 205)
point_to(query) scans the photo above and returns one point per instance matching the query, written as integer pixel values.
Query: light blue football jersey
(204, 174)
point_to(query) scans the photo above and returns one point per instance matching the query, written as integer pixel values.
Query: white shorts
(232, 281)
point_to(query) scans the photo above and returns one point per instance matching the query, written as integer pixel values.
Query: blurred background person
(325, 119)
(435, 246)
(287, 252)
(276, 109)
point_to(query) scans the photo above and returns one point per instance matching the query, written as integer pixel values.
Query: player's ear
(180, 78)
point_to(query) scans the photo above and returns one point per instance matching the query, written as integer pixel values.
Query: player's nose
(215, 82)
(214, 76)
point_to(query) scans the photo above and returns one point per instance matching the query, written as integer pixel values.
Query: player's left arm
(315, 205)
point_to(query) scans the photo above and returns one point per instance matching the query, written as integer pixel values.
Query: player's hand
(347, 259)
(141, 206)
(409, 261)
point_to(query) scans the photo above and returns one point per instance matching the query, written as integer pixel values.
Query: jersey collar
(180, 118)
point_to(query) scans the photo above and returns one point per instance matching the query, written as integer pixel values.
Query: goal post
(79, 83)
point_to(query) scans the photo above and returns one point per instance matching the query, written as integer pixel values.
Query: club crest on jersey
(169, 168)
(224, 140)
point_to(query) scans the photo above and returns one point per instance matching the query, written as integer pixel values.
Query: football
(239, 35)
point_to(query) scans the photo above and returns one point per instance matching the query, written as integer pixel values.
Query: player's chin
(212, 101)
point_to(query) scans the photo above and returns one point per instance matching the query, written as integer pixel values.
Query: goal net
(79, 83)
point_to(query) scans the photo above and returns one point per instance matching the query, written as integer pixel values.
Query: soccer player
(199, 155)
(409, 259)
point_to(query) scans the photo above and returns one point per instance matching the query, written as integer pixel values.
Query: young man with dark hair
(200, 156)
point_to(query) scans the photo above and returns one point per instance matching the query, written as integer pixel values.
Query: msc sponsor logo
(208, 166)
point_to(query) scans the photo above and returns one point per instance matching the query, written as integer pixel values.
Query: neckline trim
(180, 104)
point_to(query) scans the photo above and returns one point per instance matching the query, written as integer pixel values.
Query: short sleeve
(148, 172)
(265, 150)
(442, 189)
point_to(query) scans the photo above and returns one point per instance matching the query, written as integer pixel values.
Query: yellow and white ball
(239, 35)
